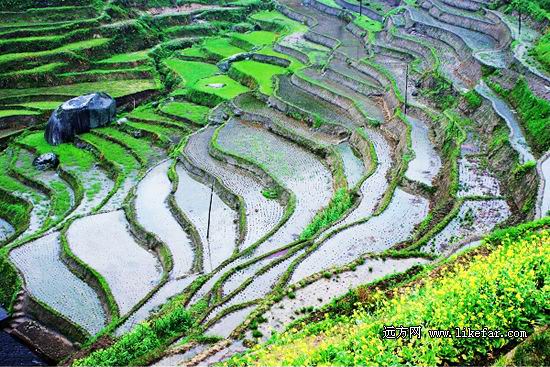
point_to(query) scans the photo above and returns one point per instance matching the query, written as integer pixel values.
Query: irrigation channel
(259, 174)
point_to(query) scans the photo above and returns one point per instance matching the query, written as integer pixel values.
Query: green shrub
(9, 280)
(473, 99)
(338, 205)
(534, 113)
(143, 339)
(542, 51)
(271, 193)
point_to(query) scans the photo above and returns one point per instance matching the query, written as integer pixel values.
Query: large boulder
(46, 161)
(79, 115)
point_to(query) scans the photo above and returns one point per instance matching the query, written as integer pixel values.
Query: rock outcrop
(79, 115)
(46, 161)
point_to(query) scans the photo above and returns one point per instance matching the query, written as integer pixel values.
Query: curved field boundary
(490, 24)
(52, 241)
(154, 215)
(19, 226)
(355, 8)
(543, 197)
(117, 276)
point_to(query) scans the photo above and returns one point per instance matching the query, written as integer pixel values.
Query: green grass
(504, 290)
(473, 99)
(60, 198)
(115, 88)
(274, 17)
(187, 110)
(541, 51)
(69, 155)
(194, 51)
(260, 72)
(30, 39)
(256, 38)
(294, 63)
(330, 3)
(371, 26)
(146, 337)
(147, 113)
(99, 72)
(42, 105)
(114, 153)
(164, 133)
(139, 146)
(75, 46)
(13, 213)
(537, 9)
(46, 68)
(535, 351)
(191, 71)
(11, 184)
(229, 90)
(17, 112)
(220, 47)
(534, 113)
(338, 205)
(126, 58)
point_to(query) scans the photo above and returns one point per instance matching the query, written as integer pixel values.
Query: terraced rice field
(199, 203)
(103, 242)
(151, 198)
(50, 281)
(295, 168)
(272, 166)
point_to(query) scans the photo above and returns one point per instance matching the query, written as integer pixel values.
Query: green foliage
(130, 57)
(279, 21)
(271, 193)
(473, 99)
(533, 352)
(221, 86)
(338, 205)
(257, 334)
(261, 73)
(42, 105)
(115, 88)
(522, 169)
(17, 112)
(191, 71)
(10, 184)
(60, 193)
(163, 134)
(220, 48)
(534, 113)
(143, 339)
(371, 26)
(69, 155)
(141, 148)
(542, 51)
(503, 290)
(441, 92)
(500, 136)
(75, 46)
(14, 210)
(538, 9)
(255, 39)
(147, 113)
(454, 136)
(187, 110)
(9, 280)
(294, 63)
